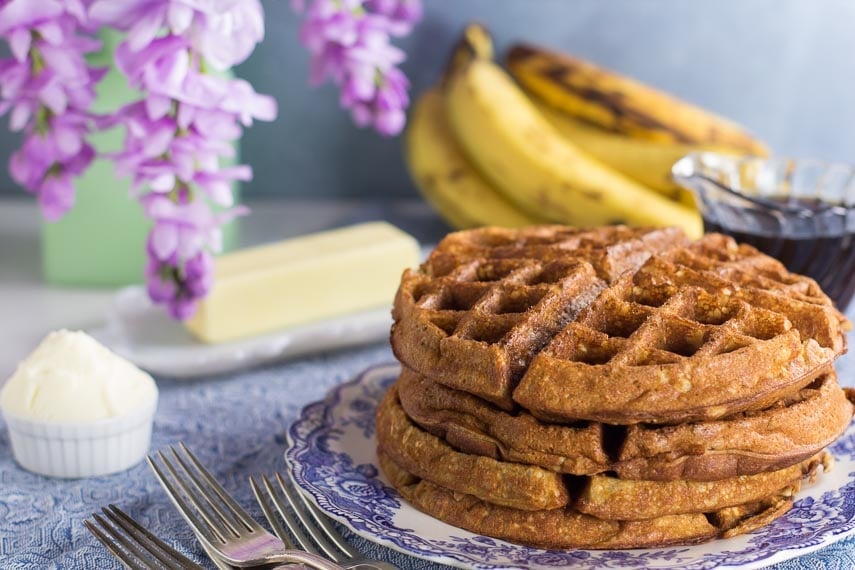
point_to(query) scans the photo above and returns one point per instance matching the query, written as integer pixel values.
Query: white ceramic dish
(332, 457)
(81, 449)
(145, 335)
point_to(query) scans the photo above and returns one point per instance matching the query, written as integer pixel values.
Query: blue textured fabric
(236, 425)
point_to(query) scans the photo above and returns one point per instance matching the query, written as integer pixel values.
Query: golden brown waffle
(475, 426)
(608, 388)
(530, 488)
(621, 325)
(763, 280)
(790, 431)
(611, 498)
(568, 528)
(696, 356)
(611, 250)
(515, 485)
(487, 300)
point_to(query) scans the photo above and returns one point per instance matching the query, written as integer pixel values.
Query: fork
(133, 545)
(124, 537)
(220, 524)
(313, 532)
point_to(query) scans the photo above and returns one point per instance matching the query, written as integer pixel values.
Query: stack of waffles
(609, 388)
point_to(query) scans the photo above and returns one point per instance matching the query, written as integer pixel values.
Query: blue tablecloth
(236, 425)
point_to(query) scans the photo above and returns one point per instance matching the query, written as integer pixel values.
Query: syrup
(829, 259)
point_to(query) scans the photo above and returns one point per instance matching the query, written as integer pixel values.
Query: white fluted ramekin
(81, 449)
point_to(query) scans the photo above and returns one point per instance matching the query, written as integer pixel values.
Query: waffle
(530, 488)
(618, 325)
(568, 528)
(514, 485)
(475, 426)
(790, 431)
(609, 388)
(612, 498)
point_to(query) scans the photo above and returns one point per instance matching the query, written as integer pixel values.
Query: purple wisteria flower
(402, 14)
(349, 41)
(47, 88)
(178, 134)
(223, 32)
(180, 268)
(184, 126)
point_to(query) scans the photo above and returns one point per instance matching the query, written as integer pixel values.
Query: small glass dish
(800, 211)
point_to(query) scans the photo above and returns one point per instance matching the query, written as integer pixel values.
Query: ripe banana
(648, 163)
(475, 43)
(524, 156)
(621, 104)
(446, 178)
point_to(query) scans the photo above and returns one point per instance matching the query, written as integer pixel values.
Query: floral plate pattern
(333, 460)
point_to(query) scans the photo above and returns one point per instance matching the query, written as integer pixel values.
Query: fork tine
(264, 501)
(320, 539)
(199, 500)
(112, 546)
(322, 522)
(233, 505)
(154, 545)
(130, 547)
(208, 532)
(291, 523)
(144, 551)
(205, 492)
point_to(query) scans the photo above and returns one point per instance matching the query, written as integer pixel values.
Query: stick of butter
(262, 289)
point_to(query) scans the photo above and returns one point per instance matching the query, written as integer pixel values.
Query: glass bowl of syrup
(800, 211)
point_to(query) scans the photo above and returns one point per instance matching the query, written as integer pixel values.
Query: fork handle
(306, 560)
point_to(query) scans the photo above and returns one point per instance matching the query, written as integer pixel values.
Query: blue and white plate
(333, 459)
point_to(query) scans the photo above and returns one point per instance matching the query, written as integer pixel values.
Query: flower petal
(56, 196)
(146, 27)
(53, 96)
(163, 240)
(19, 43)
(179, 17)
(21, 113)
(157, 106)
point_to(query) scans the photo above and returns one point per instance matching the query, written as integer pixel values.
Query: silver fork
(313, 532)
(222, 526)
(124, 537)
(133, 545)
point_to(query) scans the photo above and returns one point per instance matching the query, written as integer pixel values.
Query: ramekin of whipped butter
(75, 409)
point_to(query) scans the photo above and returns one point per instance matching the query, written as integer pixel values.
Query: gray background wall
(783, 68)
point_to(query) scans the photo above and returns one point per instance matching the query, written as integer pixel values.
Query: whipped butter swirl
(70, 377)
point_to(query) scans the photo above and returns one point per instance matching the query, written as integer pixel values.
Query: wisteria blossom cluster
(182, 128)
(47, 89)
(181, 131)
(350, 44)
(177, 134)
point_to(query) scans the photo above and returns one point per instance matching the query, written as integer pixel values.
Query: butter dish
(81, 449)
(75, 409)
(144, 334)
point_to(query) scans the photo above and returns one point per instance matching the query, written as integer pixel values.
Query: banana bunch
(582, 148)
(447, 179)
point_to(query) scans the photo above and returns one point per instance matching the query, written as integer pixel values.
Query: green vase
(101, 241)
